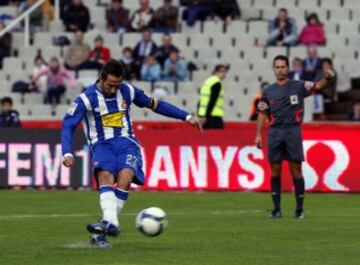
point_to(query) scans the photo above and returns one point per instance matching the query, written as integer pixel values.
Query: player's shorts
(285, 143)
(116, 154)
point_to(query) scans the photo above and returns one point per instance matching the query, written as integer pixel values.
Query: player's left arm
(317, 86)
(164, 108)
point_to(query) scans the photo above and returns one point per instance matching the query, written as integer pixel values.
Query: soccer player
(283, 103)
(104, 108)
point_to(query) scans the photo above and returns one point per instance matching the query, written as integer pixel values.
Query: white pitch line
(34, 216)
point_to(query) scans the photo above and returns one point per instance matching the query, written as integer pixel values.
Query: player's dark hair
(112, 67)
(6, 100)
(281, 58)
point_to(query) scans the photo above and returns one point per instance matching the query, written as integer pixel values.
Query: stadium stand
(240, 44)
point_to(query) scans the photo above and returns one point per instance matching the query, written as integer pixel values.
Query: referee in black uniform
(283, 104)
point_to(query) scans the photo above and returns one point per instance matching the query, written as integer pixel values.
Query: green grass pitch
(48, 227)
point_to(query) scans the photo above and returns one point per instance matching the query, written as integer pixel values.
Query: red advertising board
(228, 160)
(178, 157)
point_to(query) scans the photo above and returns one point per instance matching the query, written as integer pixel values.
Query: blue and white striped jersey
(107, 117)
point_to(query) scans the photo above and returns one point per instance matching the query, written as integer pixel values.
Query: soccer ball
(151, 221)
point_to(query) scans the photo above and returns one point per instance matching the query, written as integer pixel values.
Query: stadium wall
(185, 159)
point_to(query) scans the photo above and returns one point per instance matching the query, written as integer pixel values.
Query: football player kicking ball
(283, 103)
(104, 109)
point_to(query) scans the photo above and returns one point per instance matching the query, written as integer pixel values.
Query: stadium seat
(325, 52)
(264, 3)
(17, 41)
(211, 28)
(130, 39)
(43, 39)
(269, 13)
(331, 27)
(187, 30)
(333, 4)
(285, 3)
(351, 3)
(41, 112)
(342, 14)
(11, 64)
(299, 51)
(56, 26)
(258, 28)
(349, 28)
(236, 27)
(31, 99)
(249, 13)
(306, 4)
(271, 52)
(343, 81)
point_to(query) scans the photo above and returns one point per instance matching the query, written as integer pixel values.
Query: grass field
(48, 227)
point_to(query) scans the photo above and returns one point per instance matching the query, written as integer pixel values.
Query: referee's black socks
(299, 185)
(276, 192)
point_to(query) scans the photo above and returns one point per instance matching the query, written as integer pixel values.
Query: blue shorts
(116, 154)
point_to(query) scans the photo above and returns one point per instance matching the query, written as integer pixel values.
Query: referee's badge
(294, 100)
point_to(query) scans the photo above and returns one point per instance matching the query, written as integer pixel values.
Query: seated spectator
(196, 10)
(76, 16)
(77, 52)
(163, 51)
(329, 92)
(354, 113)
(175, 68)
(283, 30)
(36, 17)
(130, 67)
(165, 18)
(253, 107)
(297, 72)
(142, 17)
(5, 44)
(57, 75)
(225, 10)
(312, 63)
(8, 116)
(313, 33)
(117, 17)
(145, 47)
(151, 69)
(98, 56)
(41, 83)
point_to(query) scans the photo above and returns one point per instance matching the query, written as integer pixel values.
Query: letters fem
(43, 167)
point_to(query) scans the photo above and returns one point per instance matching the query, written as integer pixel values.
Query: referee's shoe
(275, 214)
(299, 214)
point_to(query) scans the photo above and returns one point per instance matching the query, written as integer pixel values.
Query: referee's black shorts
(285, 143)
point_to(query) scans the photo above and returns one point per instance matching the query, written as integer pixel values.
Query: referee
(283, 103)
(211, 103)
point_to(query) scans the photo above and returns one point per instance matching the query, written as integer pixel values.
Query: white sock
(108, 204)
(121, 198)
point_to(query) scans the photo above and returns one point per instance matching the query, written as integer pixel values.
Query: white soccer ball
(151, 221)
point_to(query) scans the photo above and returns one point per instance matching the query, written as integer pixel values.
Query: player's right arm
(263, 111)
(73, 117)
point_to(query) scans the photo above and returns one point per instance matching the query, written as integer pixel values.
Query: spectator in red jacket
(98, 56)
(313, 33)
(117, 16)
